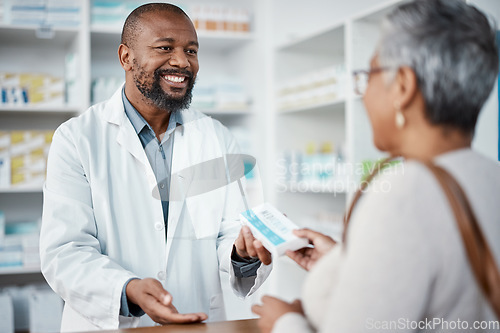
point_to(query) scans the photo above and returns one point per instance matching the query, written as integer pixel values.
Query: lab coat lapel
(188, 140)
(127, 137)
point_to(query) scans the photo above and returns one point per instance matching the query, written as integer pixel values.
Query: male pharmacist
(115, 244)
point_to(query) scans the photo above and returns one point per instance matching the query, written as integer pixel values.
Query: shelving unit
(315, 122)
(44, 110)
(351, 42)
(227, 54)
(19, 270)
(336, 105)
(20, 190)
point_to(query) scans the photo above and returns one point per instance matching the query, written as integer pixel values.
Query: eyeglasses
(362, 77)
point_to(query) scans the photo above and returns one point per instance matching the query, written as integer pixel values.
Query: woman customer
(403, 265)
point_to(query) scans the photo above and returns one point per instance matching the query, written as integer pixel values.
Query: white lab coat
(102, 224)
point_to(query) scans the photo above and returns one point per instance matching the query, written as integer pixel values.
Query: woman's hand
(308, 256)
(272, 309)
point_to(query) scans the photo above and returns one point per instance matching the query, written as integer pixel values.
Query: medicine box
(273, 229)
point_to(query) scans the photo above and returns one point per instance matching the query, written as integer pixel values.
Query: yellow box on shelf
(4, 159)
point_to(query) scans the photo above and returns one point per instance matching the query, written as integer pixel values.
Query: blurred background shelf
(20, 190)
(325, 40)
(328, 106)
(36, 36)
(19, 270)
(32, 109)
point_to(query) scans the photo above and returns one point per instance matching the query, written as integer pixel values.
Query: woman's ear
(124, 57)
(407, 86)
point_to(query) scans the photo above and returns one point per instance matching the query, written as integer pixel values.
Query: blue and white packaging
(273, 229)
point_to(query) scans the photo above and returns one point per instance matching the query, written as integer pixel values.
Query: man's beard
(157, 95)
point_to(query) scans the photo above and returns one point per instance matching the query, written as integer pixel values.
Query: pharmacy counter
(239, 326)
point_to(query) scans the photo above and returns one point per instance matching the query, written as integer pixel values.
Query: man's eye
(192, 51)
(165, 48)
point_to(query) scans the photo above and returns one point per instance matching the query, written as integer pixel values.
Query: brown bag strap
(478, 251)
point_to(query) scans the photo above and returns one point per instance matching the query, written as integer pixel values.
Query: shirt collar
(139, 122)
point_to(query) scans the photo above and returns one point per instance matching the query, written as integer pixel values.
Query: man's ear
(407, 86)
(124, 57)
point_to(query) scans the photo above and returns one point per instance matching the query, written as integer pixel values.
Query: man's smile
(176, 80)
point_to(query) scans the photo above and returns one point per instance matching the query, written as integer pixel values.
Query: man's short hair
(132, 25)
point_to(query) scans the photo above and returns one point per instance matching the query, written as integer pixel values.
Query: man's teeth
(173, 78)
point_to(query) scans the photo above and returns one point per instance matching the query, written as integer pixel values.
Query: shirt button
(159, 226)
(160, 148)
(161, 275)
(162, 185)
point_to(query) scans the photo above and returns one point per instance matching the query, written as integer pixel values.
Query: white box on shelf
(273, 229)
(6, 313)
(2, 227)
(45, 311)
(4, 159)
(20, 302)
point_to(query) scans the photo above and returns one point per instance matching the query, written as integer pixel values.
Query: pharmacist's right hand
(157, 303)
(308, 256)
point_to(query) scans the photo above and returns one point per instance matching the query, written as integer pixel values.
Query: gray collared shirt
(159, 153)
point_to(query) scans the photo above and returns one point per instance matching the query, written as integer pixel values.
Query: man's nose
(178, 59)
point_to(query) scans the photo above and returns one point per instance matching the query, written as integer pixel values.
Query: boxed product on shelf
(11, 257)
(25, 11)
(104, 87)
(63, 12)
(43, 12)
(31, 89)
(111, 13)
(4, 159)
(7, 313)
(214, 17)
(20, 245)
(20, 302)
(71, 77)
(203, 97)
(28, 154)
(312, 170)
(312, 88)
(45, 311)
(2, 227)
(36, 308)
(23, 158)
(2, 11)
(221, 94)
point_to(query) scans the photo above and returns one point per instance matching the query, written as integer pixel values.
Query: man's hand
(248, 247)
(157, 303)
(272, 309)
(308, 256)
